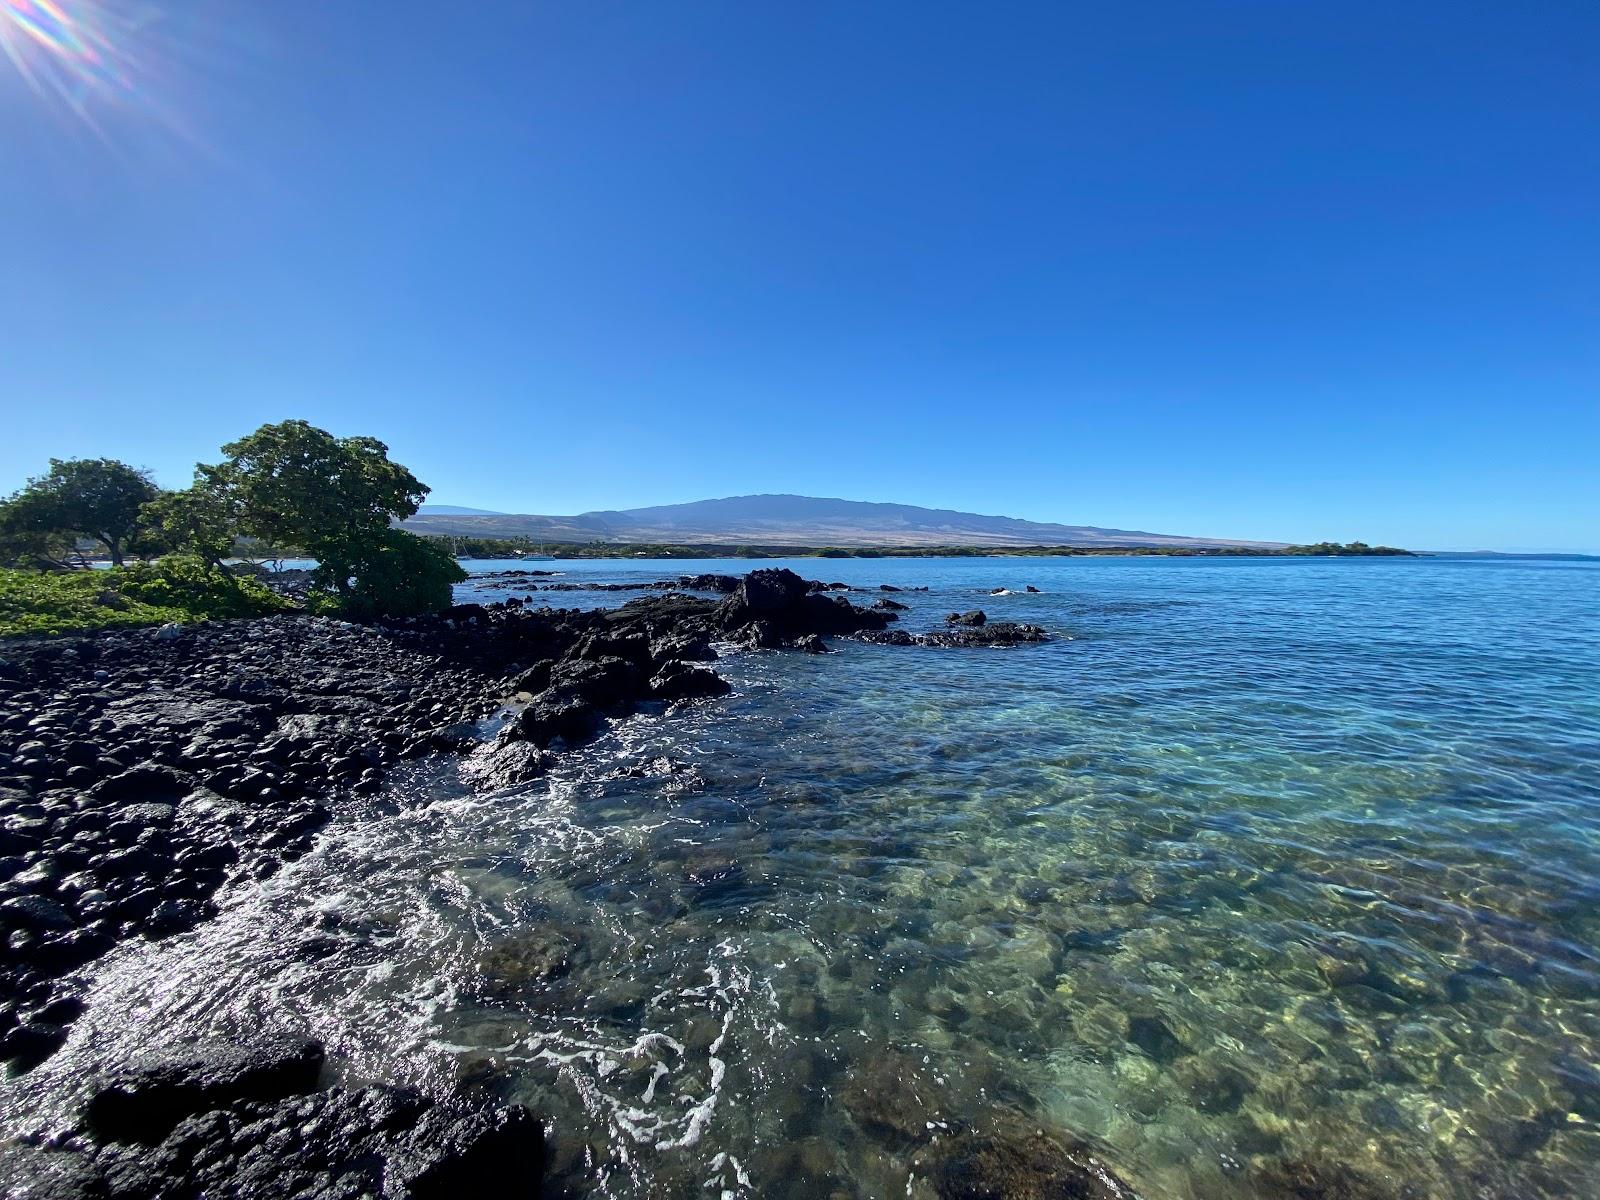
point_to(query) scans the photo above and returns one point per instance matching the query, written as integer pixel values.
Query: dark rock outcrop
(145, 1101)
(683, 681)
(791, 608)
(245, 1122)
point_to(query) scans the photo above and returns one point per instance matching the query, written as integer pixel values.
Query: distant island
(796, 522)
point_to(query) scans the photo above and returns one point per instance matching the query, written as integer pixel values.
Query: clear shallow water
(1261, 862)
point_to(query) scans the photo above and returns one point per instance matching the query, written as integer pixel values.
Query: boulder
(506, 764)
(553, 714)
(145, 783)
(683, 681)
(456, 1150)
(605, 681)
(725, 584)
(974, 617)
(144, 1101)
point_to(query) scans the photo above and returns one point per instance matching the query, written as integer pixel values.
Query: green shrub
(174, 589)
(395, 575)
(190, 585)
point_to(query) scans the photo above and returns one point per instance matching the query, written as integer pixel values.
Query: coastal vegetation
(286, 484)
(176, 588)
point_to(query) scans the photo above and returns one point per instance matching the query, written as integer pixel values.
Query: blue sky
(1257, 270)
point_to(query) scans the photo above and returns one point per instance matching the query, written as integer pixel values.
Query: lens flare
(72, 51)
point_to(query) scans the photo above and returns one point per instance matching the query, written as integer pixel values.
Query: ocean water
(1263, 875)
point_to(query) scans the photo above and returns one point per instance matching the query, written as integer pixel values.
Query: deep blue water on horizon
(1262, 870)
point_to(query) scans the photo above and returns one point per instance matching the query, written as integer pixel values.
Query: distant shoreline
(475, 548)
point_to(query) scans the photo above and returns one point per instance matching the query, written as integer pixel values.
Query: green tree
(31, 536)
(335, 498)
(198, 520)
(98, 498)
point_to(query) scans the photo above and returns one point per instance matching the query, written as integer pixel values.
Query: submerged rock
(1014, 1160)
(529, 959)
(892, 1096)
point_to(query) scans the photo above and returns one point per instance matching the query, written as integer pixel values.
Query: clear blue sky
(1259, 270)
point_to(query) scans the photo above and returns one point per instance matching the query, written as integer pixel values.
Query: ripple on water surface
(1267, 878)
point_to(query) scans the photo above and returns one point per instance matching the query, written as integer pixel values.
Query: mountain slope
(796, 521)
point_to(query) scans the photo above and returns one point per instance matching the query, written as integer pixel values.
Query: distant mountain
(455, 510)
(793, 521)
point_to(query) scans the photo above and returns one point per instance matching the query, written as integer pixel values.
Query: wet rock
(506, 764)
(890, 637)
(682, 647)
(790, 606)
(28, 1044)
(683, 681)
(888, 605)
(335, 1145)
(34, 913)
(144, 1101)
(552, 715)
(146, 783)
(533, 679)
(973, 617)
(604, 680)
(456, 1151)
(34, 1173)
(999, 634)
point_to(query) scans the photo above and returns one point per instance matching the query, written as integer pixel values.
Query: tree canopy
(97, 498)
(299, 485)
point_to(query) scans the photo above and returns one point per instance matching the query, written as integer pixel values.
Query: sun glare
(69, 51)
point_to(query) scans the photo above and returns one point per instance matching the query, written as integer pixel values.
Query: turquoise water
(1263, 870)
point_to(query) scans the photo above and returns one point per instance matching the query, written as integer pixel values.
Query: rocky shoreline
(146, 770)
